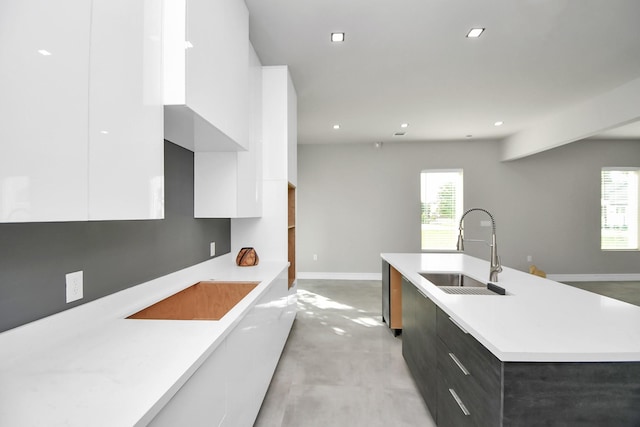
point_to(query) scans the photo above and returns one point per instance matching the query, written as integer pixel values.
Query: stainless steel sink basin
(456, 283)
(452, 279)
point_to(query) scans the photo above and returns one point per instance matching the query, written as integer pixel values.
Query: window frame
(635, 216)
(459, 209)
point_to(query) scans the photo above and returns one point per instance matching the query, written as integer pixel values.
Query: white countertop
(539, 320)
(90, 366)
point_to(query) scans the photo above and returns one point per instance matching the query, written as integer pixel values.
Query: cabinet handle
(460, 365)
(459, 402)
(458, 325)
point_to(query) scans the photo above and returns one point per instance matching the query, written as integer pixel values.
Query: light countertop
(539, 320)
(92, 366)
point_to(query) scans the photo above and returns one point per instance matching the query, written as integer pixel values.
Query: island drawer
(452, 409)
(481, 402)
(481, 364)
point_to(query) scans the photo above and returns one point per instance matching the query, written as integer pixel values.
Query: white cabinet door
(126, 146)
(217, 64)
(250, 161)
(206, 54)
(229, 184)
(215, 184)
(44, 81)
(81, 104)
(254, 348)
(279, 125)
(202, 400)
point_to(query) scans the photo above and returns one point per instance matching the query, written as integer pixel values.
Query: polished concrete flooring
(623, 291)
(341, 365)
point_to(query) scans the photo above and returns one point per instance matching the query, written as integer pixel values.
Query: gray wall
(356, 201)
(114, 255)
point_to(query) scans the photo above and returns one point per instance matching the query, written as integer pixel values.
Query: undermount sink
(206, 300)
(452, 279)
(460, 284)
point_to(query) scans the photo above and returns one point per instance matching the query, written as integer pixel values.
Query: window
(441, 208)
(619, 209)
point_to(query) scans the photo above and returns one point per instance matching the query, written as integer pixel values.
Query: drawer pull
(460, 365)
(458, 325)
(459, 402)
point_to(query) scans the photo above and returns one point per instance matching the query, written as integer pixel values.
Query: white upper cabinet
(126, 138)
(81, 135)
(273, 235)
(280, 131)
(229, 184)
(44, 84)
(250, 161)
(206, 93)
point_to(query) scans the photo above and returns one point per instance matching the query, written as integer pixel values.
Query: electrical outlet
(212, 249)
(529, 258)
(315, 257)
(74, 286)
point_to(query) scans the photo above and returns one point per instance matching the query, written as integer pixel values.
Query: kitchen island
(91, 366)
(543, 354)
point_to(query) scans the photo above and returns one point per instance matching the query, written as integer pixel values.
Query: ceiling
(409, 61)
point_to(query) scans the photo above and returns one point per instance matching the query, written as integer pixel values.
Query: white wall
(356, 201)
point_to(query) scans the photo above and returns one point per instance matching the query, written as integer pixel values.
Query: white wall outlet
(74, 286)
(212, 249)
(529, 258)
(315, 257)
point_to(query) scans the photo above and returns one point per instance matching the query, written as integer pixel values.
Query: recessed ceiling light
(474, 33)
(337, 37)
(336, 126)
(104, 132)
(188, 44)
(44, 52)
(404, 125)
(498, 123)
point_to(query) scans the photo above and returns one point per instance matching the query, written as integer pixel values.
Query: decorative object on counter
(247, 257)
(534, 270)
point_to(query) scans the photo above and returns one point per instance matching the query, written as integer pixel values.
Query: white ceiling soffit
(589, 118)
(409, 61)
(629, 131)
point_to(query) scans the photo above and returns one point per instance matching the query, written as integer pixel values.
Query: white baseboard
(339, 276)
(632, 277)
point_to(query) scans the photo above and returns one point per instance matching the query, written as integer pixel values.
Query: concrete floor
(623, 291)
(341, 365)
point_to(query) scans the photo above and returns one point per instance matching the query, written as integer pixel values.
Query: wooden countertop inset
(202, 301)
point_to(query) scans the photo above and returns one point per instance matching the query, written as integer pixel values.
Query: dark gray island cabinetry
(469, 378)
(465, 384)
(458, 378)
(543, 354)
(419, 341)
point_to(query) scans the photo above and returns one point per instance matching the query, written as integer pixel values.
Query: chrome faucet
(495, 267)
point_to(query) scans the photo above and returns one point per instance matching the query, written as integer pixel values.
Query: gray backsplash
(114, 255)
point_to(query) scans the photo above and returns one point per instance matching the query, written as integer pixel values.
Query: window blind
(441, 208)
(619, 209)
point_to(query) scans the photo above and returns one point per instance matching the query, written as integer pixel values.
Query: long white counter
(90, 366)
(539, 320)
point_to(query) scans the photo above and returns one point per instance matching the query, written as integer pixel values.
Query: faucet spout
(494, 260)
